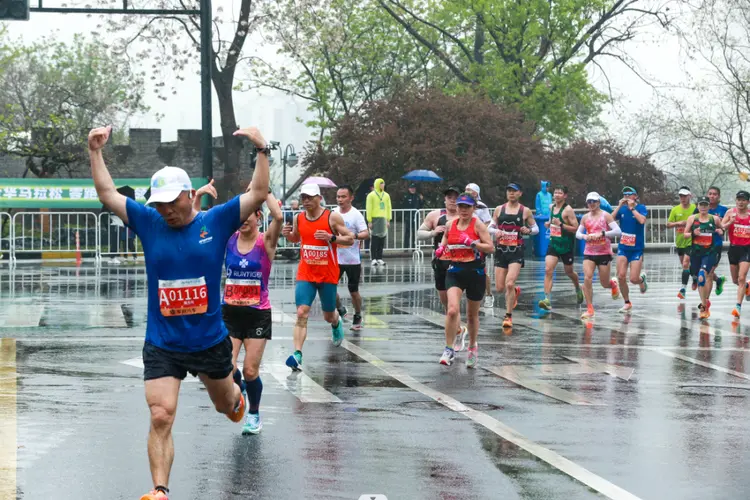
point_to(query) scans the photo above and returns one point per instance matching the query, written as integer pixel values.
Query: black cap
(703, 200)
(744, 195)
(452, 189)
(412, 185)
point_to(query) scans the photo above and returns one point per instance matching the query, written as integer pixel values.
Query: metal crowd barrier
(116, 241)
(59, 236)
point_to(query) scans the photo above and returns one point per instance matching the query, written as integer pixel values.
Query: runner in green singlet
(562, 230)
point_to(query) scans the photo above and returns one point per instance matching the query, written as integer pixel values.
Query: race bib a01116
(183, 297)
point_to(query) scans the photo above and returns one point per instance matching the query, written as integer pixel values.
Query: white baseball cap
(474, 188)
(593, 196)
(167, 184)
(684, 191)
(310, 190)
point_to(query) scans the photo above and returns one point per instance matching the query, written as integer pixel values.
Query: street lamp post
(289, 158)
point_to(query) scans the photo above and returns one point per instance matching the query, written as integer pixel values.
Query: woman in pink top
(597, 228)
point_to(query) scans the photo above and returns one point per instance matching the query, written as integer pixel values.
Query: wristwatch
(356, 236)
(333, 238)
(266, 150)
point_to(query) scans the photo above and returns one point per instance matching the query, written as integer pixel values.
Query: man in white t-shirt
(350, 261)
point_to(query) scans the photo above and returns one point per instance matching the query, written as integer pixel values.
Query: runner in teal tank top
(562, 226)
(703, 227)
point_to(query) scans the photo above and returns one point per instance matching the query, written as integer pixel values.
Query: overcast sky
(657, 55)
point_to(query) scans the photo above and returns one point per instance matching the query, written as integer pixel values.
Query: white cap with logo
(683, 191)
(310, 190)
(167, 184)
(593, 196)
(473, 187)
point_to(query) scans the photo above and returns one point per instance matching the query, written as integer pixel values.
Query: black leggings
(376, 248)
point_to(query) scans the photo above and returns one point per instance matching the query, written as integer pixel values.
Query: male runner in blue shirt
(632, 218)
(184, 251)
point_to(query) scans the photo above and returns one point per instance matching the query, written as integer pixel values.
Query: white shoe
(460, 341)
(447, 357)
(381, 262)
(626, 308)
(115, 261)
(374, 262)
(489, 301)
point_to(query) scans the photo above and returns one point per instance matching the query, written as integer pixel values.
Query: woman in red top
(737, 223)
(463, 245)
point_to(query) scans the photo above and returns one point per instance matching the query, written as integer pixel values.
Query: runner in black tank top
(511, 221)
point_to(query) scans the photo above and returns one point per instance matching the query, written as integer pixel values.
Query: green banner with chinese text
(65, 193)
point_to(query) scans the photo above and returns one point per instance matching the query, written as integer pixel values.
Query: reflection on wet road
(652, 405)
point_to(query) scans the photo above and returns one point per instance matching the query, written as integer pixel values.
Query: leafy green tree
(532, 55)
(52, 93)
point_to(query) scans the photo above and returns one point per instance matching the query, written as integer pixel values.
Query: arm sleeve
(581, 232)
(534, 229)
(614, 230)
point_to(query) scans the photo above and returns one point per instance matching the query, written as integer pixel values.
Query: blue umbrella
(422, 176)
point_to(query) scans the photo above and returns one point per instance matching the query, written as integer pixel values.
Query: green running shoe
(720, 284)
(579, 295)
(545, 304)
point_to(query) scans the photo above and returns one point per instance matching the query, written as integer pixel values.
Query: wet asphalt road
(650, 406)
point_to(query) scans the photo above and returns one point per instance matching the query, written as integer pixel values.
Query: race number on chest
(183, 297)
(242, 292)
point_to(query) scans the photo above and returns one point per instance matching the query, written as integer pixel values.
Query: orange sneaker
(588, 314)
(508, 322)
(615, 290)
(237, 415)
(155, 495)
(736, 313)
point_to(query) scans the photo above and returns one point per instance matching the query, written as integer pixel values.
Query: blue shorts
(630, 253)
(304, 294)
(698, 262)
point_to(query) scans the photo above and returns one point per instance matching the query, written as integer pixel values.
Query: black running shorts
(215, 362)
(599, 260)
(504, 259)
(469, 279)
(353, 273)
(566, 258)
(738, 253)
(440, 267)
(247, 322)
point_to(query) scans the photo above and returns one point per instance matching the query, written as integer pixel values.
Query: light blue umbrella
(422, 176)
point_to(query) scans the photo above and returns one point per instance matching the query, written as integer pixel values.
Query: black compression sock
(685, 277)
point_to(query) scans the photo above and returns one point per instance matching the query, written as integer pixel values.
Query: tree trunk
(230, 156)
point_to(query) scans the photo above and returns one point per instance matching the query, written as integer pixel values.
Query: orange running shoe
(589, 313)
(237, 415)
(155, 495)
(736, 313)
(508, 322)
(615, 290)
(747, 289)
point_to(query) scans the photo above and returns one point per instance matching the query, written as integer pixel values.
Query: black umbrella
(126, 191)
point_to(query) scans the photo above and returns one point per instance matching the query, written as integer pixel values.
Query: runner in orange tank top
(319, 232)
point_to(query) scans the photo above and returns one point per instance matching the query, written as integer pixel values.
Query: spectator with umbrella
(412, 202)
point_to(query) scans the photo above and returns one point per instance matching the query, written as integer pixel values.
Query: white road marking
(620, 372)
(701, 363)
(8, 422)
(23, 315)
(557, 461)
(106, 316)
(299, 384)
(523, 377)
(279, 316)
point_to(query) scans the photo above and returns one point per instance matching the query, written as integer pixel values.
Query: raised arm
(253, 198)
(105, 187)
(207, 189)
(274, 228)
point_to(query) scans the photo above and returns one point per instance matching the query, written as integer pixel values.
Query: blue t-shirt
(721, 211)
(195, 254)
(630, 227)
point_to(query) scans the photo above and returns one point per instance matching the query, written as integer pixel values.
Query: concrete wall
(143, 155)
